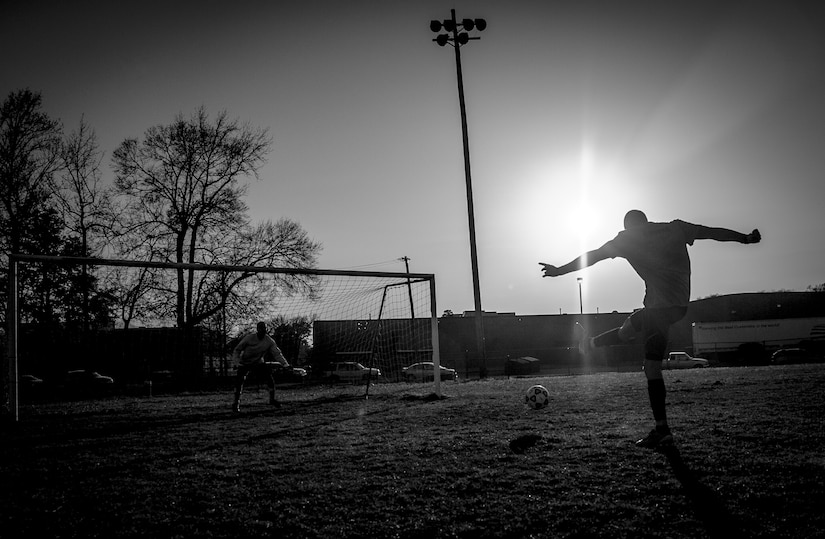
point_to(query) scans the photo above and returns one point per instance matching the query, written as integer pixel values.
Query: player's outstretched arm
(586, 260)
(725, 234)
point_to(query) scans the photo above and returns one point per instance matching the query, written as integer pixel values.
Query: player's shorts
(655, 324)
(259, 369)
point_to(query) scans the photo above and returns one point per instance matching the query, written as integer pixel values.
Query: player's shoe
(585, 342)
(656, 439)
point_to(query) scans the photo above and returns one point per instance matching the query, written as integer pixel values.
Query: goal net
(161, 323)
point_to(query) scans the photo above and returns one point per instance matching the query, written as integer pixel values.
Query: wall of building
(552, 338)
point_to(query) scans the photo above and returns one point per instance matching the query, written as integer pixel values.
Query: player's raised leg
(621, 335)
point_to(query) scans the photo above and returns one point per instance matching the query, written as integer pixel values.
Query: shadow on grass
(710, 508)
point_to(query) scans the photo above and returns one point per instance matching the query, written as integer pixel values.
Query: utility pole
(406, 260)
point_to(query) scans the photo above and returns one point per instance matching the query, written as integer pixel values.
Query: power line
(375, 264)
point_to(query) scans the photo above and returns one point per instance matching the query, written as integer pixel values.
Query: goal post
(382, 319)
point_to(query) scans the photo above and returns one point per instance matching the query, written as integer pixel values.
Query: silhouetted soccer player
(658, 253)
(250, 353)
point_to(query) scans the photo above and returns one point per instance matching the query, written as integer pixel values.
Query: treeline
(175, 194)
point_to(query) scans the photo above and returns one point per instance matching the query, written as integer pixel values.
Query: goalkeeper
(249, 354)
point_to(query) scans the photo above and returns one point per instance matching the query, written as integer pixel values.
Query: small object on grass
(537, 397)
(524, 442)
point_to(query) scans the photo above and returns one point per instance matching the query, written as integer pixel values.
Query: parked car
(787, 356)
(87, 379)
(29, 381)
(682, 360)
(515, 366)
(351, 371)
(423, 372)
(287, 375)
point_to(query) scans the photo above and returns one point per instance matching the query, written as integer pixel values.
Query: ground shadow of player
(710, 508)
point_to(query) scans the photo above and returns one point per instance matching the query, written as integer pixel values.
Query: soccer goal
(140, 322)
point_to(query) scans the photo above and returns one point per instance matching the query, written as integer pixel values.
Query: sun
(577, 201)
(584, 221)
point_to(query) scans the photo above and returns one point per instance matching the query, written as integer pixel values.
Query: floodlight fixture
(456, 32)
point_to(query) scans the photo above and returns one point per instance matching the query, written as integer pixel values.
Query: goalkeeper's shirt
(251, 350)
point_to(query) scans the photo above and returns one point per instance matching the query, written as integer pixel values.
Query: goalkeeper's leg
(243, 372)
(270, 382)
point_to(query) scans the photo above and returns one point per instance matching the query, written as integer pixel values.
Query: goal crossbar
(93, 261)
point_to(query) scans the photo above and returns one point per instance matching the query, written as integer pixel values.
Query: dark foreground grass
(749, 462)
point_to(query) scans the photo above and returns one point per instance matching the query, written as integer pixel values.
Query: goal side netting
(153, 322)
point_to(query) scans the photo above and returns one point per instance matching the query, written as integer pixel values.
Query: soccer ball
(537, 397)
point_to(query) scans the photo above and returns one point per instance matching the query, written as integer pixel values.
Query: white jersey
(251, 350)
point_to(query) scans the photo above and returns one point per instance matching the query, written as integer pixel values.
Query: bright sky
(707, 111)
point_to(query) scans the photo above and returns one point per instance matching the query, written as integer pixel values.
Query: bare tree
(135, 291)
(29, 142)
(182, 184)
(250, 295)
(29, 156)
(83, 202)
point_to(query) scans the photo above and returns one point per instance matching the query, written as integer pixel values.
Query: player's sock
(657, 393)
(659, 436)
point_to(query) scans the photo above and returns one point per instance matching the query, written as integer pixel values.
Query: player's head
(634, 218)
(261, 328)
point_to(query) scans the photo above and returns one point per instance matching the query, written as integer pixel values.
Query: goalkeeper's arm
(277, 355)
(238, 350)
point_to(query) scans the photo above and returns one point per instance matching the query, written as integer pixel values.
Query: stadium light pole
(457, 34)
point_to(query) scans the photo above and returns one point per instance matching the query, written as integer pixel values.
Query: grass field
(749, 461)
